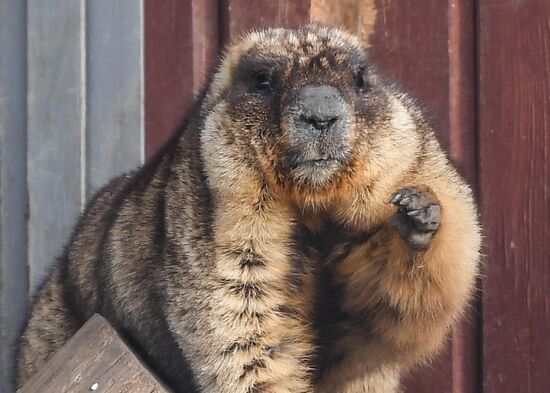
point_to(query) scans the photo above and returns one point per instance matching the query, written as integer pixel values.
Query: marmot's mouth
(320, 163)
(315, 160)
(315, 172)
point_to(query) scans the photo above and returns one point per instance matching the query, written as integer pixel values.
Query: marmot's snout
(318, 119)
(320, 110)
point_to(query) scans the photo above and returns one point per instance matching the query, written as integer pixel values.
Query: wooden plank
(462, 88)
(13, 186)
(514, 102)
(114, 91)
(239, 16)
(55, 100)
(94, 359)
(466, 344)
(181, 50)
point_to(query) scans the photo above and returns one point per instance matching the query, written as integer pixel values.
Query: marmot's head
(302, 108)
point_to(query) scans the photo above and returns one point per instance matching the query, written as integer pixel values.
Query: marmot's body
(262, 250)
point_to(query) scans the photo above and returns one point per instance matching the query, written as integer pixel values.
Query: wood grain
(514, 102)
(55, 128)
(95, 359)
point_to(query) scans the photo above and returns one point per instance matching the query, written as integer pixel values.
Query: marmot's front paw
(418, 216)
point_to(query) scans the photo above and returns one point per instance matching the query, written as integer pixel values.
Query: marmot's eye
(360, 82)
(263, 82)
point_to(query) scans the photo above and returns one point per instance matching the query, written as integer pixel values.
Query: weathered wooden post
(95, 359)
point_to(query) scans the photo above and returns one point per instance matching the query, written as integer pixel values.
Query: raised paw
(418, 216)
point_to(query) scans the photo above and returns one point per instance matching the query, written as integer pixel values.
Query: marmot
(302, 232)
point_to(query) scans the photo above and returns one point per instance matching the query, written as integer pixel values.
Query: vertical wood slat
(168, 68)
(514, 102)
(181, 49)
(206, 44)
(55, 117)
(13, 187)
(466, 340)
(114, 90)
(410, 44)
(462, 88)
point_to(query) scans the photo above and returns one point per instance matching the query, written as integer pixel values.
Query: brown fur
(231, 271)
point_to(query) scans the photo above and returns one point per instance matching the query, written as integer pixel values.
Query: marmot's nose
(319, 108)
(321, 124)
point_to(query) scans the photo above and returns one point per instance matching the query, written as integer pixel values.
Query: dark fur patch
(287, 311)
(364, 323)
(252, 366)
(335, 243)
(303, 250)
(249, 260)
(247, 290)
(247, 314)
(243, 345)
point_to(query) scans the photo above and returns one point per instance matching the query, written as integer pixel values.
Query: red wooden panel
(241, 15)
(181, 48)
(410, 44)
(466, 340)
(205, 41)
(514, 102)
(168, 68)
(462, 88)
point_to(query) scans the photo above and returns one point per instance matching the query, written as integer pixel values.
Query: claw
(406, 200)
(396, 197)
(417, 218)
